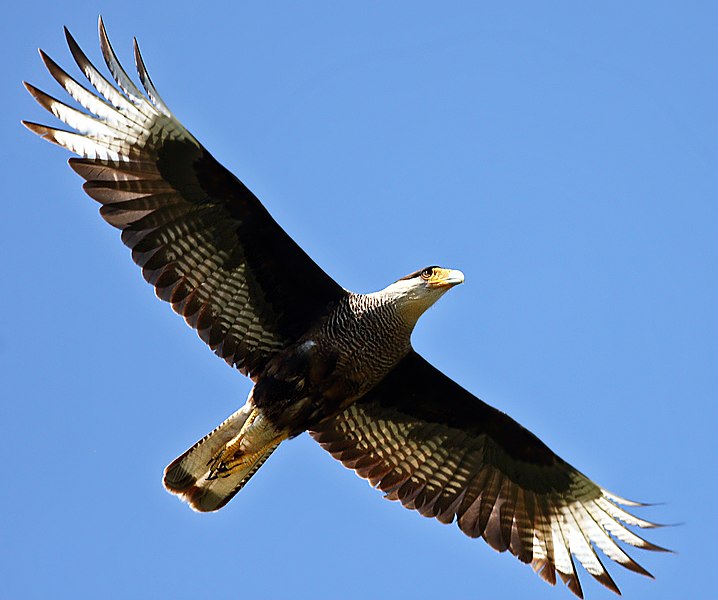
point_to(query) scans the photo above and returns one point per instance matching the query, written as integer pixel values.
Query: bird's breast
(330, 368)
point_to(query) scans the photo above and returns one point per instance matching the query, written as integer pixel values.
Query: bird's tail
(212, 471)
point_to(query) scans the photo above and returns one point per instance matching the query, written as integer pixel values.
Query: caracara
(337, 364)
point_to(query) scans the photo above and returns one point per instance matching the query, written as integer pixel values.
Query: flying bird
(335, 363)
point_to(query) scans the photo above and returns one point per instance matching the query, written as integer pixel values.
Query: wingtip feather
(43, 99)
(38, 129)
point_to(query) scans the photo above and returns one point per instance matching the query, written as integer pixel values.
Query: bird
(324, 360)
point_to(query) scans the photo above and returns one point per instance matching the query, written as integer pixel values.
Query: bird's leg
(246, 447)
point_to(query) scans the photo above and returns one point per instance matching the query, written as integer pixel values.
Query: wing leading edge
(424, 440)
(202, 239)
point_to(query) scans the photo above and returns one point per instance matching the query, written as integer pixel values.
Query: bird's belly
(312, 382)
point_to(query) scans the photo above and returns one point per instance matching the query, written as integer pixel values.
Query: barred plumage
(371, 330)
(323, 359)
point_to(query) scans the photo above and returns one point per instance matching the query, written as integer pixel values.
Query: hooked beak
(446, 278)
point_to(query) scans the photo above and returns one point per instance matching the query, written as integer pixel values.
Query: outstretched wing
(203, 240)
(425, 441)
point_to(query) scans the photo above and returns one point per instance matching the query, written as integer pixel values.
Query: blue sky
(562, 155)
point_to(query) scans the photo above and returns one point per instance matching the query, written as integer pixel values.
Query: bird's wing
(425, 441)
(203, 240)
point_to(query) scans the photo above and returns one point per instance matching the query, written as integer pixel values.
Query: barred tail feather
(211, 472)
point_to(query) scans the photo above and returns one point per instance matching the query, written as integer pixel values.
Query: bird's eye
(427, 273)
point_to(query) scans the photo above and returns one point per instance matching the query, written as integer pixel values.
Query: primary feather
(323, 359)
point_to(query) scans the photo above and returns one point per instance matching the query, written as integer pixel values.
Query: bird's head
(416, 292)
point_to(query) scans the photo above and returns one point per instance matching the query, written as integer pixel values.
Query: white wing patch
(119, 122)
(442, 473)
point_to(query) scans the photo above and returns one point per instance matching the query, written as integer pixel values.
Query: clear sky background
(562, 154)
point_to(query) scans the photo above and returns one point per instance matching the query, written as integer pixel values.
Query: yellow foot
(247, 448)
(228, 462)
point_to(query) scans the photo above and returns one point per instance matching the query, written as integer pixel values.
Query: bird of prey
(337, 364)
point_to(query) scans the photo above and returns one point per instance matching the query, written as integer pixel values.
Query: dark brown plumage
(322, 358)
